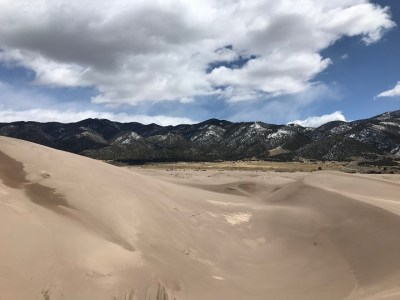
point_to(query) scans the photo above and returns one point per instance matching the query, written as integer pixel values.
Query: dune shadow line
(13, 175)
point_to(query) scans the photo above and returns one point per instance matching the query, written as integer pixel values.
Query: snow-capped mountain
(216, 139)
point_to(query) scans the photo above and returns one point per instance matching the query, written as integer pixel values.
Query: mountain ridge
(216, 139)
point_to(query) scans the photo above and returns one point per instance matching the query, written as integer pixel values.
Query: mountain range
(375, 138)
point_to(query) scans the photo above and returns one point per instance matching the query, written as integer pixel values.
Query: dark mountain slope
(216, 139)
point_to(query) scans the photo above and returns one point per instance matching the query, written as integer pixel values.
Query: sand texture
(76, 229)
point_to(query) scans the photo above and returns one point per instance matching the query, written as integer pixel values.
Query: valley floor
(259, 165)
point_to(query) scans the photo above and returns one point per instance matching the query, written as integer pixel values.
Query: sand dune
(75, 228)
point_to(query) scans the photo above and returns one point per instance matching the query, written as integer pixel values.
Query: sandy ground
(76, 228)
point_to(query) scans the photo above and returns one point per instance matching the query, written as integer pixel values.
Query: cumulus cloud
(392, 92)
(136, 51)
(318, 121)
(52, 115)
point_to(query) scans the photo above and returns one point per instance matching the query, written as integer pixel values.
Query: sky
(185, 61)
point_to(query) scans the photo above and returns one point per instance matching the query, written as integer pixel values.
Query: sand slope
(75, 228)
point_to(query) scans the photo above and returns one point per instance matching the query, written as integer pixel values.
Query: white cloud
(391, 93)
(318, 121)
(153, 50)
(52, 115)
(276, 74)
(345, 56)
